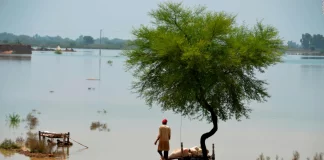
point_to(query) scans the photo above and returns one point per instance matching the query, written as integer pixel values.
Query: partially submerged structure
(58, 136)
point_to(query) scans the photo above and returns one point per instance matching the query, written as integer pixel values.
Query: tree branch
(181, 30)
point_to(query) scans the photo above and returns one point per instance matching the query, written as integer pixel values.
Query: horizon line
(62, 36)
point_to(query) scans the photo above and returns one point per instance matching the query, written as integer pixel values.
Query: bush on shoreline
(296, 156)
(9, 144)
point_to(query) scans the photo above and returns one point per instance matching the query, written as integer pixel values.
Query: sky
(72, 18)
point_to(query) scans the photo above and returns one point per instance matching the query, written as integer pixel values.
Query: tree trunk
(209, 134)
(204, 103)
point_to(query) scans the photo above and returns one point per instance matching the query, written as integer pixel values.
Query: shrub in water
(9, 144)
(20, 141)
(35, 145)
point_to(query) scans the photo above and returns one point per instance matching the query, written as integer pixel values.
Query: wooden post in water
(64, 136)
(68, 138)
(181, 150)
(39, 136)
(213, 154)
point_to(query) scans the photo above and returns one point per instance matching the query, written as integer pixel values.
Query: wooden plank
(52, 135)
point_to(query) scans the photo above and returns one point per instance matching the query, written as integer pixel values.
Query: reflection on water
(7, 153)
(32, 120)
(312, 66)
(13, 120)
(312, 57)
(61, 152)
(20, 57)
(100, 126)
(103, 111)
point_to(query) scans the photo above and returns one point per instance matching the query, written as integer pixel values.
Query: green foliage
(14, 120)
(72, 44)
(88, 40)
(312, 42)
(312, 48)
(191, 57)
(291, 44)
(7, 153)
(305, 41)
(8, 144)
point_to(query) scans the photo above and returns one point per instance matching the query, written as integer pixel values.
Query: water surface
(290, 120)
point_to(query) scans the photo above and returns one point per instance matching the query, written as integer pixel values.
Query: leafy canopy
(189, 56)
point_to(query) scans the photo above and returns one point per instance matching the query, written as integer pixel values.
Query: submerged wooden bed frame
(54, 135)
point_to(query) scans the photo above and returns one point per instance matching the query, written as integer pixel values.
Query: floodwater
(290, 120)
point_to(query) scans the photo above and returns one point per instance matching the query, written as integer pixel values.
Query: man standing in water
(164, 138)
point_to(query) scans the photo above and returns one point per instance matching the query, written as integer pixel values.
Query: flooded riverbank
(290, 120)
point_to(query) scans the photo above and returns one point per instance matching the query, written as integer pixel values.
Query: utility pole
(100, 56)
(100, 35)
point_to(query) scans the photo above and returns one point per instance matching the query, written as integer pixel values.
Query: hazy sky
(71, 18)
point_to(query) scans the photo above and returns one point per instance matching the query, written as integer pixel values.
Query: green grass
(9, 144)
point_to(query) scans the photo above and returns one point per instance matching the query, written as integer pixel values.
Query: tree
(312, 42)
(88, 40)
(292, 44)
(317, 41)
(312, 48)
(72, 44)
(306, 40)
(201, 64)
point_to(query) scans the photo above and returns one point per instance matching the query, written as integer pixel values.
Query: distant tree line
(51, 42)
(292, 44)
(315, 42)
(309, 42)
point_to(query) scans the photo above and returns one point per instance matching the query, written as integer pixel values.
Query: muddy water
(290, 120)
